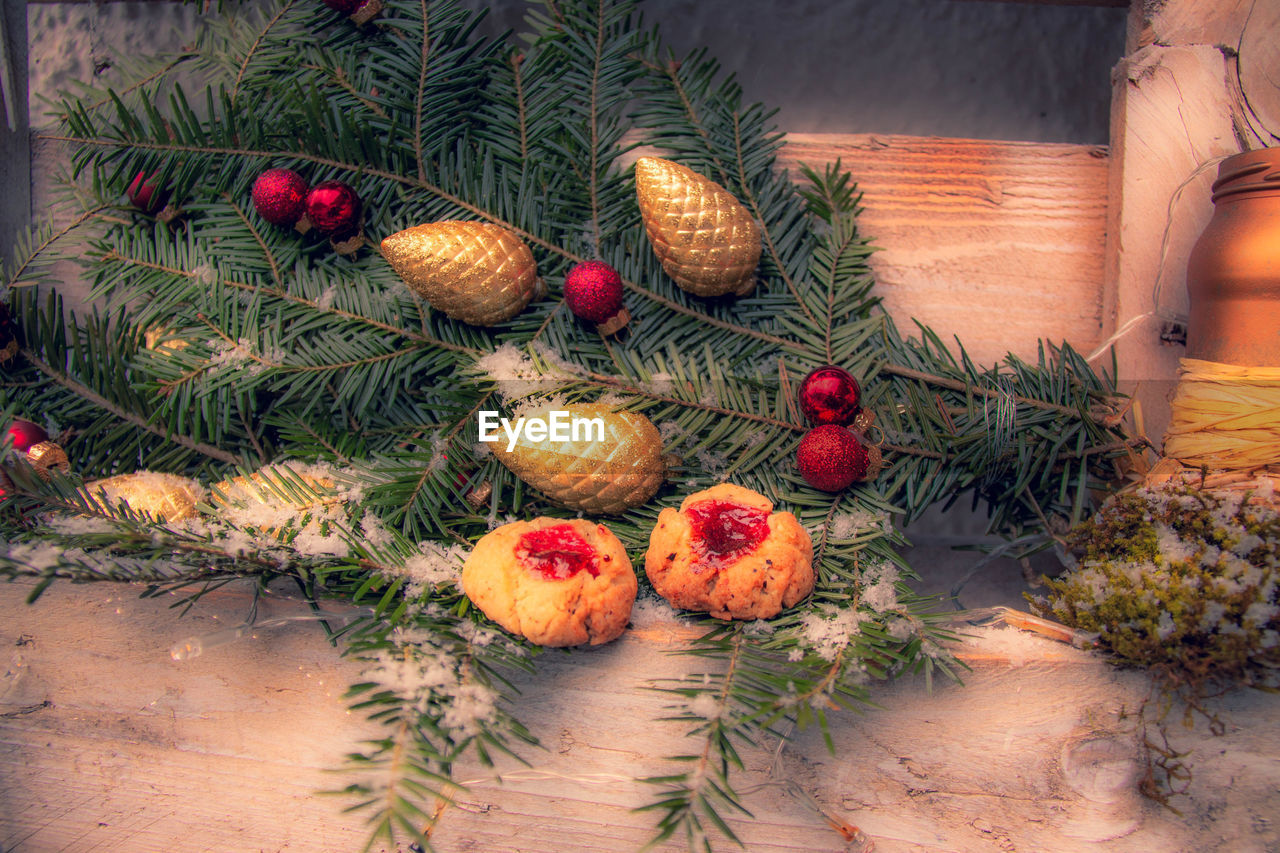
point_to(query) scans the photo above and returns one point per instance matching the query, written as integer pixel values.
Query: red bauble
(26, 435)
(831, 458)
(334, 209)
(830, 395)
(145, 193)
(593, 291)
(280, 197)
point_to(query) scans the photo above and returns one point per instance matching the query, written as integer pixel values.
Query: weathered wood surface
(107, 744)
(1000, 243)
(1177, 110)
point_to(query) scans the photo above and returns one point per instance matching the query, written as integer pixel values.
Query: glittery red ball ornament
(26, 435)
(830, 395)
(334, 209)
(593, 291)
(831, 458)
(145, 193)
(280, 197)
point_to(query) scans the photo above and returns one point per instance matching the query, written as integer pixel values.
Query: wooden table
(107, 744)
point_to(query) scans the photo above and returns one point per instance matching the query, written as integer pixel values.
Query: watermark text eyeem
(557, 425)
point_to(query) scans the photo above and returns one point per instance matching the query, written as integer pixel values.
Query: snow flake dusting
(828, 630)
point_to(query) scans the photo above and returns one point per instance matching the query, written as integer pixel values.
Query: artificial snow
(1017, 646)
(880, 592)
(513, 372)
(233, 356)
(670, 430)
(375, 533)
(714, 464)
(325, 302)
(80, 525)
(653, 612)
(434, 565)
(37, 556)
(828, 631)
(660, 385)
(847, 525)
(704, 706)
(471, 706)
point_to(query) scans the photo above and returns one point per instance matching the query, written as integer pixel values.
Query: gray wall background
(987, 70)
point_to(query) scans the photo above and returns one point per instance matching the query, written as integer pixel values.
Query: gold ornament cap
(598, 475)
(46, 457)
(706, 240)
(475, 272)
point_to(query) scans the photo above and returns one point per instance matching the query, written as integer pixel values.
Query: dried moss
(1179, 580)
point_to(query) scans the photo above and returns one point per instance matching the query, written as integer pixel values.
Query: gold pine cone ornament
(706, 240)
(595, 474)
(164, 497)
(475, 272)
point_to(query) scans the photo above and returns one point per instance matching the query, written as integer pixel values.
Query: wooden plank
(107, 744)
(1001, 243)
(1176, 111)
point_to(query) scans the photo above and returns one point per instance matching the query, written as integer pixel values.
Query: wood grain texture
(108, 745)
(1001, 243)
(1177, 111)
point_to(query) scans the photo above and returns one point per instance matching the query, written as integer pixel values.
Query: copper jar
(1233, 274)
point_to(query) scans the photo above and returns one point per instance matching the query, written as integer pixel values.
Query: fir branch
(671, 70)
(769, 244)
(593, 119)
(91, 396)
(285, 296)
(253, 49)
(424, 62)
(15, 278)
(969, 388)
(266, 250)
(522, 110)
(436, 190)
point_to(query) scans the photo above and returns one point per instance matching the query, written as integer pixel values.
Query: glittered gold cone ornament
(706, 240)
(473, 271)
(277, 498)
(165, 497)
(603, 469)
(275, 485)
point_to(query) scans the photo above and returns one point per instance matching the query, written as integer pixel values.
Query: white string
(1156, 288)
(1120, 333)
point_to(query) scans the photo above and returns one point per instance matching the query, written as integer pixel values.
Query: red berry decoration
(145, 193)
(593, 291)
(831, 458)
(26, 435)
(280, 197)
(830, 395)
(334, 209)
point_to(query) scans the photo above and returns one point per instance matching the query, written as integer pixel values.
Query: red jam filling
(557, 553)
(724, 532)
